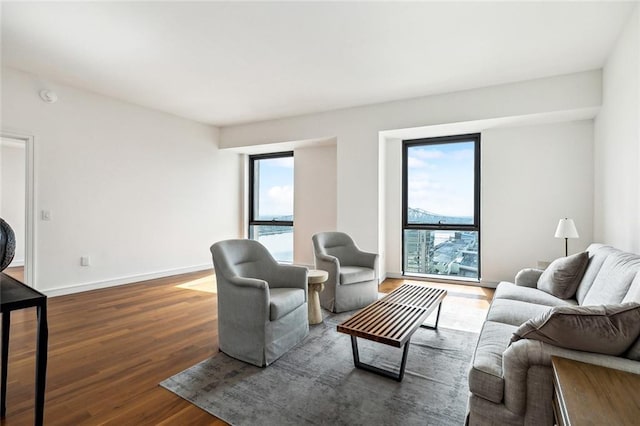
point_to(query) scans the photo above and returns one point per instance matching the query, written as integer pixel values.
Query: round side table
(316, 279)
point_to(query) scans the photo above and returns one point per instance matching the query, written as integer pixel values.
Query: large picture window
(441, 207)
(271, 203)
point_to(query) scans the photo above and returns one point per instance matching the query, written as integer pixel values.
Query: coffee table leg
(434, 327)
(377, 370)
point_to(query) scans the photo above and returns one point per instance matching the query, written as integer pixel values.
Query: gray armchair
(353, 274)
(262, 305)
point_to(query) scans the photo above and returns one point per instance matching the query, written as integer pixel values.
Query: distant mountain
(423, 216)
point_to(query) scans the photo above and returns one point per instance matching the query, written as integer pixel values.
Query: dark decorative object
(7, 244)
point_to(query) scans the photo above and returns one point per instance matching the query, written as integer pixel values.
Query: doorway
(16, 201)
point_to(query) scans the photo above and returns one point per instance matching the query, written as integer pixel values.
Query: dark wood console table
(15, 295)
(588, 394)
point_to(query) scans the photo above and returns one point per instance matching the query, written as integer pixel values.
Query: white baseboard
(95, 285)
(394, 275)
(16, 262)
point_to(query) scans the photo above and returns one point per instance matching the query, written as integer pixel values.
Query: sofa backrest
(609, 276)
(597, 255)
(633, 295)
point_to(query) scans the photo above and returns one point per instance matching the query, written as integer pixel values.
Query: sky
(276, 188)
(441, 178)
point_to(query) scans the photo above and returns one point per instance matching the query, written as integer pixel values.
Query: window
(271, 203)
(441, 207)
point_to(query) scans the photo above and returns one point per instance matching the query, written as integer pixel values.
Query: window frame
(406, 144)
(252, 189)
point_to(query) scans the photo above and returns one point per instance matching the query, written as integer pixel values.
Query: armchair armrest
(327, 258)
(528, 277)
(248, 282)
(289, 276)
(367, 260)
(331, 264)
(239, 295)
(327, 263)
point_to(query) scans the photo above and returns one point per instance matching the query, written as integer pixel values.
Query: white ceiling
(230, 63)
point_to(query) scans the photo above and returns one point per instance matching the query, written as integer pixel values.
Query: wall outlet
(85, 261)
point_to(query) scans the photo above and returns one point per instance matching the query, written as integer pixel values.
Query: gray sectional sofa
(511, 383)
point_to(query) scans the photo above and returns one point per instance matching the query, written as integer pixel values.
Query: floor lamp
(566, 229)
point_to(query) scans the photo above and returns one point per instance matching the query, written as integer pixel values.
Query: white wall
(359, 151)
(532, 177)
(12, 193)
(617, 144)
(314, 198)
(143, 193)
(392, 261)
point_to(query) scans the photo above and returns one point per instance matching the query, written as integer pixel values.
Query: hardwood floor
(464, 308)
(16, 272)
(109, 349)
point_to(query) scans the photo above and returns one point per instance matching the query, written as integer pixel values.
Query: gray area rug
(316, 383)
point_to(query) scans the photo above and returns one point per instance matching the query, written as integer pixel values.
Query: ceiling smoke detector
(48, 96)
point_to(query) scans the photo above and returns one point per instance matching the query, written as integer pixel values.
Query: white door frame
(30, 207)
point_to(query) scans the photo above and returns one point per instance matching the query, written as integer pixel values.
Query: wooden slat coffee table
(392, 321)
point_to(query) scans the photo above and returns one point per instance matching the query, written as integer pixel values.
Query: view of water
(279, 245)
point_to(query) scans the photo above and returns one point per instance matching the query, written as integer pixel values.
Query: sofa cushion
(485, 375)
(598, 253)
(355, 274)
(562, 276)
(634, 351)
(613, 280)
(284, 301)
(514, 312)
(610, 329)
(506, 290)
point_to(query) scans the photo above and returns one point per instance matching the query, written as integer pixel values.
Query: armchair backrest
(337, 244)
(243, 258)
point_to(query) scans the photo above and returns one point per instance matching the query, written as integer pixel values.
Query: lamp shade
(566, 229)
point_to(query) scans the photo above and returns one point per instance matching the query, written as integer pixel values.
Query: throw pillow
(562, 276)
(606, 329)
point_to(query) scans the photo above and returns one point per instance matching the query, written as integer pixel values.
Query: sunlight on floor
(464, 308)
(206, 284)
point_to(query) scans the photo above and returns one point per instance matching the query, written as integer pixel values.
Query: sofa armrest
(528, 277)
(524, 354)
